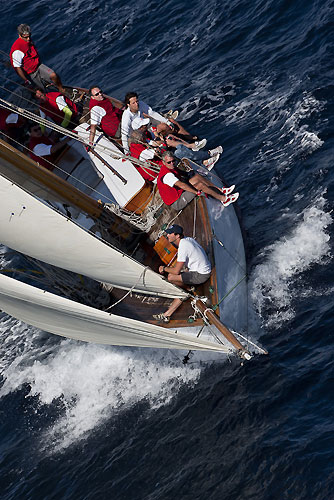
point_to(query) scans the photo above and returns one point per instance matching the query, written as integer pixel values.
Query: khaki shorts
(42, 74)
(194, 278)
(183, 201)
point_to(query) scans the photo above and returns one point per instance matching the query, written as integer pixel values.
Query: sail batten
(70, 319)
(29, 226)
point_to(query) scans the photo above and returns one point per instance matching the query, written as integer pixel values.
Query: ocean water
(82, 421)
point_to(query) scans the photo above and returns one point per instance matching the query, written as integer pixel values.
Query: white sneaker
(199, 145)
(210, 163)
(172, 114)
(228, 190)
(230, 199)
(218, 149)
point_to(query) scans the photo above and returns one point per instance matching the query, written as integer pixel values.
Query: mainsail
(70, 319)
(29, 226)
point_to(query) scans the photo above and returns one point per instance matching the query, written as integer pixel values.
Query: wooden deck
(195, 221)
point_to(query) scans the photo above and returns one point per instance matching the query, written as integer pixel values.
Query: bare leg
(181, 130)
(57, 81)
(207, 187)
(176, 279)
(172, 308)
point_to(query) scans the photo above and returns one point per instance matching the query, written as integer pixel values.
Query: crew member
(134, 109)
(139, 149)
(190, 255)
(177, 189)
(42, 148)
(26, 62)
(10, 124)
(57, 107)
(104, 114)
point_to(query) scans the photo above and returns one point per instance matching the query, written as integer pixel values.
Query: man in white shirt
(135, 109)
(191, 255)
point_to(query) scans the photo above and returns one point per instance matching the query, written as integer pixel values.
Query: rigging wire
(60, 129)
(214, 307)
(117, 155)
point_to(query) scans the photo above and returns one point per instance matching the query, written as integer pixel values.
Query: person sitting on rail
(26, 62)
(190, 255)
(103, 113)
(180, 134)
(154, 139)
(141, 138)
(42, 149)
(58, 108)
(177, 188)
(10, 124)
(134, 109)
(165, 132)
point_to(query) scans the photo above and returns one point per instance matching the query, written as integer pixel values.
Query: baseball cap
(175, 228)
(139, 122)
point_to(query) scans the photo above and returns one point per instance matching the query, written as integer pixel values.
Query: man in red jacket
(42, 149)
(57, 107)
(10, 124)
(177, 189)
(104, 114)
(26, 62)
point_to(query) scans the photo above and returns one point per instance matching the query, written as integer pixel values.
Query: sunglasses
(25, 36)
(171, 161)
(98, 93)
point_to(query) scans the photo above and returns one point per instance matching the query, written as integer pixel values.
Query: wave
(273, 282)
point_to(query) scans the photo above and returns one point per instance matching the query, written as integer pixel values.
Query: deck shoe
(218, 149)
(227, 190)
(230, 199)
(210, 162)
(161, 318)
(199, 145)
(172, 114)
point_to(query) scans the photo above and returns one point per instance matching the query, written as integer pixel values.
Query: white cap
(139, 122)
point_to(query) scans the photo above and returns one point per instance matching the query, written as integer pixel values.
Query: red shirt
(4, 113)
(146, 173)
(111, 119)
(40, 159)
(30, 60)
(167, 193)
(50, 107)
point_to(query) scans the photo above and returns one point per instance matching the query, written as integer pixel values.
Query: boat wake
(274, 282)
(86, 385)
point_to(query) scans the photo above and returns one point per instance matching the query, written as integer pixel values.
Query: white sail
(30, 227)
(67, 318)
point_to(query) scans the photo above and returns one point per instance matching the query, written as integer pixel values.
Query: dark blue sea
(84, 422)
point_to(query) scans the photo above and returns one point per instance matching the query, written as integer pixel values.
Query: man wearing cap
(191, 255)
(177, 189)
(25, 60)
(104, 114)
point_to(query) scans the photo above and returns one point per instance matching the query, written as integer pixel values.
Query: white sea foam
(272, 282)
(89, 383)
